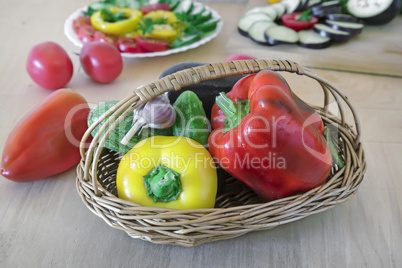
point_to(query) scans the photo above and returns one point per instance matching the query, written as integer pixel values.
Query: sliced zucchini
(257, 31)
(247, 20)
(281, 35)
(327, 31)
(312, 39)
(350, 27)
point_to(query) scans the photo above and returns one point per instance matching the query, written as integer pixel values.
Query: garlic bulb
(156, 113)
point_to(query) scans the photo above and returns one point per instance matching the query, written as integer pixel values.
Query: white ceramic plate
(73, 37)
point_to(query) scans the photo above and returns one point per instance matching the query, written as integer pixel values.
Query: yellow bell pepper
(168, 16)
(119, 27)
(168, 172)
(163, 31)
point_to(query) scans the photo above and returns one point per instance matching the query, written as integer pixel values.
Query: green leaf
(305, 16)
(146, 25)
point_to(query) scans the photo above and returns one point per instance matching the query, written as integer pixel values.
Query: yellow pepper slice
(169, 172)
(163, 31)
(168, 16)
(119, 27)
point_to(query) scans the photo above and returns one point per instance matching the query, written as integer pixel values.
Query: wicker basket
(238, 209)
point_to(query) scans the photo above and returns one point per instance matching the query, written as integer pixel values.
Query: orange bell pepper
(46, 141)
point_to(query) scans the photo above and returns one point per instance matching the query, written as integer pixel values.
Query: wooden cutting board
(377, 50)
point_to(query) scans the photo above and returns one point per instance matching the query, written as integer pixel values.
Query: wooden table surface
(45, 223)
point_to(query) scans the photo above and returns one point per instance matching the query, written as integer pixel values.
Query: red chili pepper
(46, 141)
(273, 148)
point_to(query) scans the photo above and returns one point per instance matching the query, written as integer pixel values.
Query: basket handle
(194, 75)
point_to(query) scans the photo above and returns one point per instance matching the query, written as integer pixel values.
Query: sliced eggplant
(312, 3)
(291, 5)
(281, 35)
(280, 9)
(373, 11)
(342, 17)
(205, 90)
(312, 39)
(326, 8)
(327, 31)
(257, 31)
(302, 6)
(350, 27)
(247, 20)
(264, 9)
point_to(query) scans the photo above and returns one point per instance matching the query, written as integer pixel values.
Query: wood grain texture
(45, 223)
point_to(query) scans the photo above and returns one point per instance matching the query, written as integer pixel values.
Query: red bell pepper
(268, 143)
(46, 141)
(246, 86)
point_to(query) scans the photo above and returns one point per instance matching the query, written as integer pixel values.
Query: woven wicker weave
(238, 209)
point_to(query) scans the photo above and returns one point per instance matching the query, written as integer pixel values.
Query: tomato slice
(86, 33)
(290, 20)
(105, 37)
(151, 44)
(128, 45)
(148, 8)
(80, 21)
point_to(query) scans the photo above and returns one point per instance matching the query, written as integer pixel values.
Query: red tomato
(128, 45)
(78, 22)
(148, 8)
(151, 44)
(101, 61)
(86, 33)
(105, 37)
(290, 20)
(49, 65)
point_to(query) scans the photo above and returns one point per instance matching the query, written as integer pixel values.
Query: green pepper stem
(234, 112)
(335, 155)
(162, 184)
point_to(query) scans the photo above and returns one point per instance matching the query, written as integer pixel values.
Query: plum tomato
(49, 65)
(86, 33)
(151, 44)
(128, 45)
(105, 37)
(78, 22)
(101, 61)
(153, 7)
